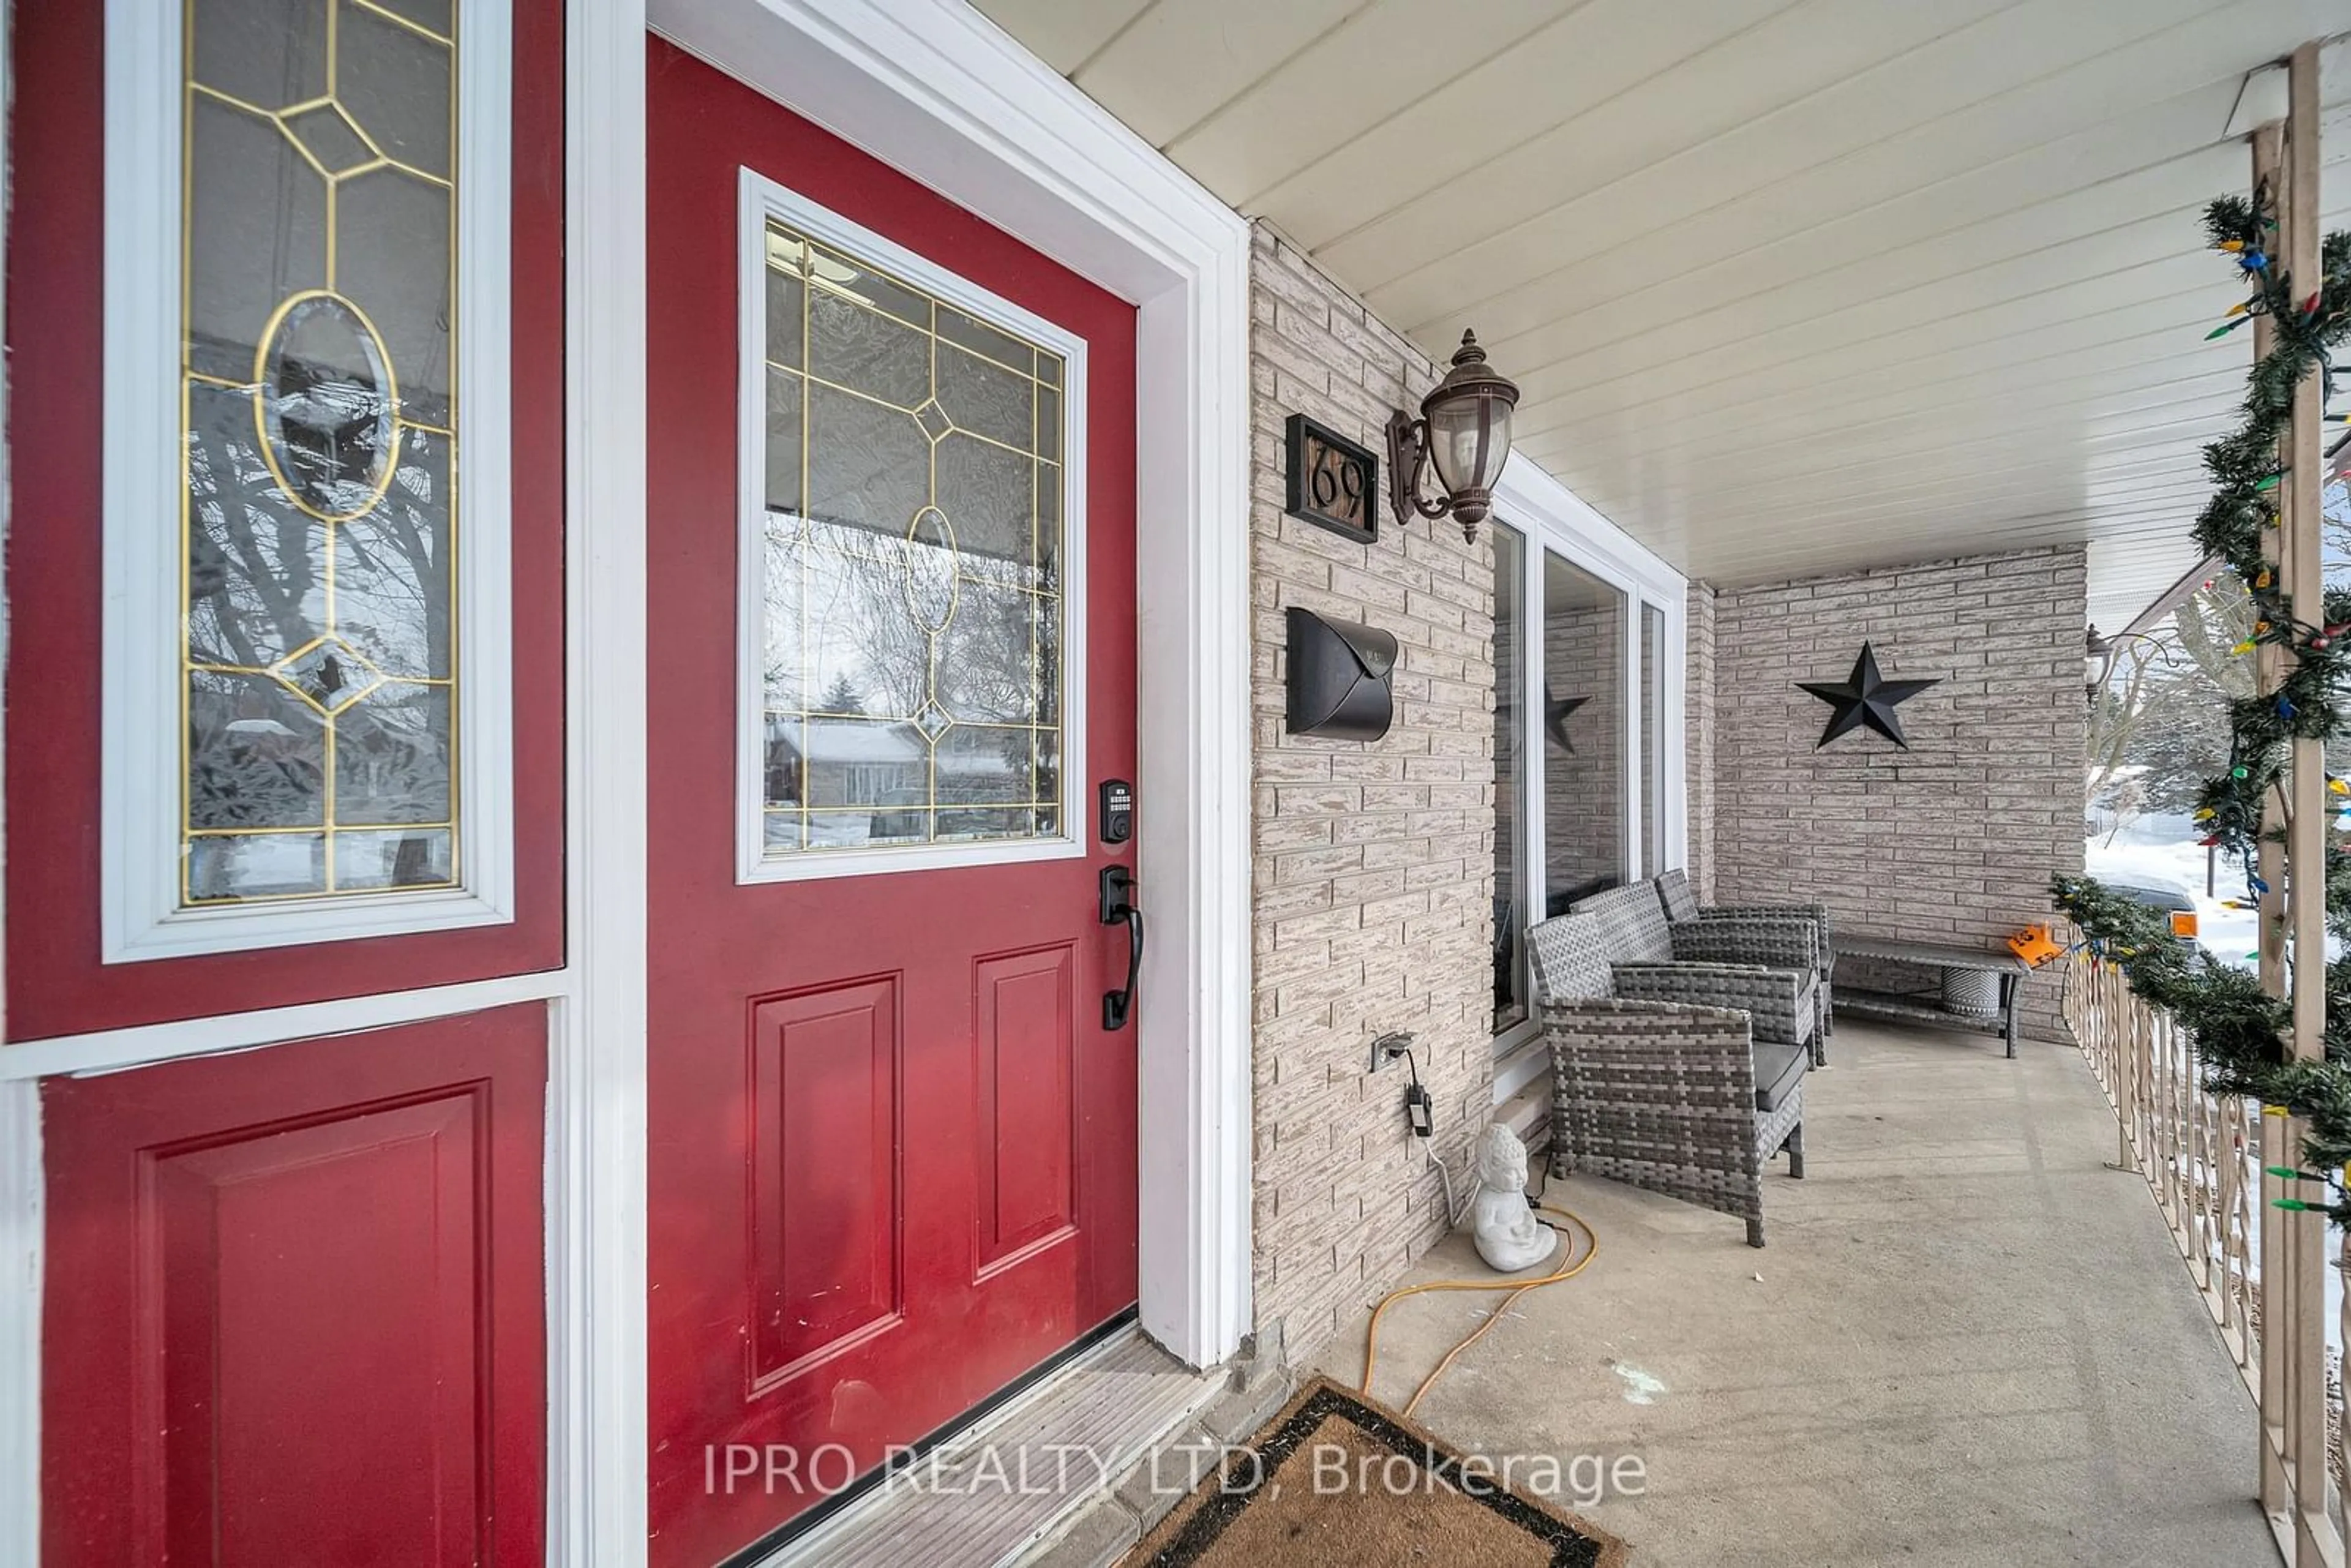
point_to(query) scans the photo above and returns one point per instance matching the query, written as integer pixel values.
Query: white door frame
(934, 89)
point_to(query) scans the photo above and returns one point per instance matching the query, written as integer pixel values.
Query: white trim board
(143, 777)
(23, 1257)
(596, 1217)
(934, 89)
(1538, 502)
(759, 200)
(144, 1045)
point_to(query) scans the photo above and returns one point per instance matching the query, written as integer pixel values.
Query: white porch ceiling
(1790, 288)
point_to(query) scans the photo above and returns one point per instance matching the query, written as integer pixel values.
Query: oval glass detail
(326, 406)
(931, 570)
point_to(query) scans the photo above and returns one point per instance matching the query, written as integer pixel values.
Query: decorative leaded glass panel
(912, 642)
(321, 449)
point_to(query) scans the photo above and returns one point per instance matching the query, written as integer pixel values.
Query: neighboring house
(847, 762)
(829, 768)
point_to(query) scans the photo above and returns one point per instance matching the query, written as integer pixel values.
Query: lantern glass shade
(1469, 437)
(1463, 434)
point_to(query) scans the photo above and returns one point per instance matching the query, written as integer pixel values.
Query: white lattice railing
(2203, 1157)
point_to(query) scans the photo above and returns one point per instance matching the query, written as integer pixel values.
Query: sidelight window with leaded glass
(322, 444)
(333, 469)
(913, 560)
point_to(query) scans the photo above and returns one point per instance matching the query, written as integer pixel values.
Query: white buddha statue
(1509, 1236)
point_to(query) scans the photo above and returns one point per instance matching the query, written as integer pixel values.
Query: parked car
(2171, 900)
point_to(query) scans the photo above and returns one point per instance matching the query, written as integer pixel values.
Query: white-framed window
(1651, 712)
(1590, 635)
(911, 637)
(307, 676)
(876, 783)
(1517, 732)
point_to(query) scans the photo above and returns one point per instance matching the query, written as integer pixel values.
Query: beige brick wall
(1954, 838)
(1373, 869)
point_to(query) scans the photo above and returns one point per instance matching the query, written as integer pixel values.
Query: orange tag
(2183, 924)
(2034, 946)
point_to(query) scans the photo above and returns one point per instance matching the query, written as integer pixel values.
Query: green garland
(2238, 1029)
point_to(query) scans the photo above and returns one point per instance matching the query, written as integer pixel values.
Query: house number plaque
(1332, 480)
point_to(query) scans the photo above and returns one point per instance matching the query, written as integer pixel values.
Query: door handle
(1118, 904)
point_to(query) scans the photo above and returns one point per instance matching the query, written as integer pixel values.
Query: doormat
(1335, 1478)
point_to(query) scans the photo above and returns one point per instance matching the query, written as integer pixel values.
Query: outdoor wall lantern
(1463, 433)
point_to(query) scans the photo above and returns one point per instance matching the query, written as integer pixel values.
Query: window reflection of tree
(841, 611)
(256, 595)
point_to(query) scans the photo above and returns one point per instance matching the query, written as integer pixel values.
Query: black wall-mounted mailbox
(1339, 673)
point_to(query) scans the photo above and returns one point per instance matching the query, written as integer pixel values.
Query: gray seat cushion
(1778, 1069)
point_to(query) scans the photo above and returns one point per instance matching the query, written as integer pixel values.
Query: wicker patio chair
(1661, 1095)
(1634, 932)
(1754, 920)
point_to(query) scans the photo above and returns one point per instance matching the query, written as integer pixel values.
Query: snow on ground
(2159, 850)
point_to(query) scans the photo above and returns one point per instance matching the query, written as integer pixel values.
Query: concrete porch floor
(1970, 1344)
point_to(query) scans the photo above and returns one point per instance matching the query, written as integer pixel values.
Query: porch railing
(2203, 1157)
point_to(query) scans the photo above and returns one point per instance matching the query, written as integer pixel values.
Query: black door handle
(1118, 904)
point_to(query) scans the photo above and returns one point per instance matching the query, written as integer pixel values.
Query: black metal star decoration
(1865, 698)
(1555, 712)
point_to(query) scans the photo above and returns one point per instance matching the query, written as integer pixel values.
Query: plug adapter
(1420, 1111)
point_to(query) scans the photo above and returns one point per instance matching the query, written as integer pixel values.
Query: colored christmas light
(2235, 1026)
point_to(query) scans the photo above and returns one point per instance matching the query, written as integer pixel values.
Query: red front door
(892, 1148)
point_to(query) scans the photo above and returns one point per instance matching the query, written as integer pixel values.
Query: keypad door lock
(1117, 823)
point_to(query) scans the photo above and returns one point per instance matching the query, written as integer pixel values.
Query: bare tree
(2159, 727)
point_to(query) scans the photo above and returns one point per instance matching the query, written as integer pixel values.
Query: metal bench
(2007, 968)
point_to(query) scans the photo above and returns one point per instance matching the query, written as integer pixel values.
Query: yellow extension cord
(1568, 1270)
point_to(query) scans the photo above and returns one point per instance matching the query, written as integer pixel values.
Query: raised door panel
(307, 1271)
(295, 1305)
(1025, 1140)
(827, 1210)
